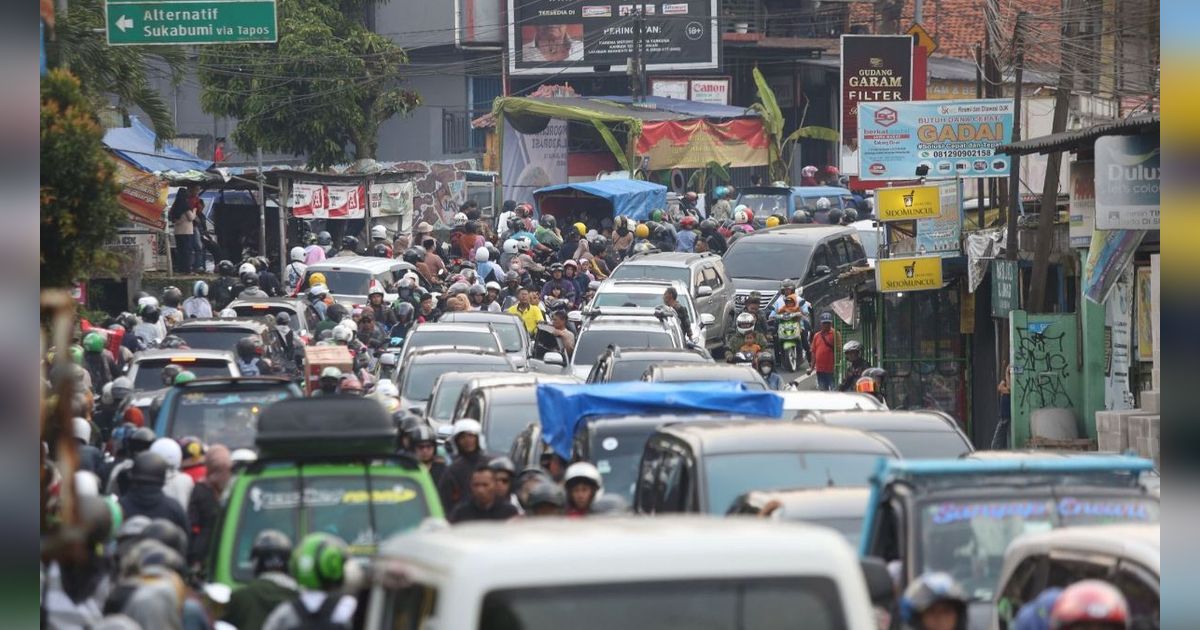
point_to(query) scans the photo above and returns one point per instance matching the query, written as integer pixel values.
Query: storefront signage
(1127, 182)
(560, 36)
(1004, 287)
(1083, 202)
(948, 138)
(893, 275)
(714, 91)
(875, 68)
(908, 203)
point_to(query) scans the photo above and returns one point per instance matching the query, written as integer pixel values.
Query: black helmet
(324, 239)
(801, 216)
(350, 242)
(547, 221)
(850, 216)
(502, 464)
(336, 312)
(172, 342)
(404, 311)
(422, 434)
(598, 245)
(167, 533)
(708, 226)
(150, 314)
(148, 468)
(169, 372)
(547, 494)
(381, 251)
(271, 551)
(421, 251)
(766, 357)
(226, 268)
(516, 224)
(834, 217)
(412, 256)
(247, 348)
(172, 296)
(249, 278)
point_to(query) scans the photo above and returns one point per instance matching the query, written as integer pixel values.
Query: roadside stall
(590, 202)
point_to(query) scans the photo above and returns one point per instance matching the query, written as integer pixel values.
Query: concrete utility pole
(262, 207)
(1014, 177)
(1049, 212)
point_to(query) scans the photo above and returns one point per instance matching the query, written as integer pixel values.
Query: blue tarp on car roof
(563, 407)
(632, 198)
(135, 144)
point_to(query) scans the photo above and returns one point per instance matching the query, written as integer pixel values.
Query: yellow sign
(924, 40)
(909, 203)
(893, 275)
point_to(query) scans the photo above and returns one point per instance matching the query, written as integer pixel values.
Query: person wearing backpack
(318, 565)
(248, 360)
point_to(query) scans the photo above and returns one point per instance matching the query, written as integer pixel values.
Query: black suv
(615, 364)
(813, 255)
(224, 333)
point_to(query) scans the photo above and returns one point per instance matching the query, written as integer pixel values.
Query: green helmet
(185, 376)
(93, 342)
(318, 562)
(76, 353)
(656, 215)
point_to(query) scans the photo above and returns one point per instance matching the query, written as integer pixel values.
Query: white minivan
(623, 572)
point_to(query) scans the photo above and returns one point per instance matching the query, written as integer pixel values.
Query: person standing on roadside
(183, 217)
(1004, 391)
(824, 343)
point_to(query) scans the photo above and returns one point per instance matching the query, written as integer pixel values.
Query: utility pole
(919, 12)
(981, 209)
(1049, 210)
(262, 207)
(1014, 176)
(637, 85)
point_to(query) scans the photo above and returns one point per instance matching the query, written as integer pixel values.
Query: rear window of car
(652, 272)
(926, 444)
(262, 310)
(420, 377)
(592, 343)
(461, 338)
(505, 420)
(149, 372)
(228, 417)
(336, 504)
(212, 337)
(345, 282)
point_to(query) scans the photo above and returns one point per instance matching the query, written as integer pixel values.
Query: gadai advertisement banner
(560, 36)
(949, 138)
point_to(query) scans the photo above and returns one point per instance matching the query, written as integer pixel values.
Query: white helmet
(148, 300)
(482, 255)
(349, 323)
(467, 425)
(745, 322)
(493, 285)
(823, 203)
(459, 219)
(385, 386)
(297, 254)
(510, 246)
(318, 290)
(169, 450)
(740, 216)
(87, 484)
(82, 429)
(583, 471)
(227, 313)
(523, 244)
(852, 346)
(342, 334)
(242, 456)
(378, 231)
(387, 359)
(247, 268)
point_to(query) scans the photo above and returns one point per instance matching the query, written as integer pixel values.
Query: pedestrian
(182, 216)
(559, 322)
(934, 601)
(1004, 391)
(250, 605)
(671, 300)
(483, 505)
(204, 506)
(145, 495)
(824, 343)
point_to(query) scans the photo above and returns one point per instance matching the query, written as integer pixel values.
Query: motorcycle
(788, 332)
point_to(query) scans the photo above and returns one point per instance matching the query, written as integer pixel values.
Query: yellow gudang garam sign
(893, 275)
(906, 204)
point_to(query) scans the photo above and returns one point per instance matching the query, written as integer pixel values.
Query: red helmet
(687, 222)
(1091, 602)
(830, 170)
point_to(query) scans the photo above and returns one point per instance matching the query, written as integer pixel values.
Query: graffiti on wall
(1041, 367)
(439, 189)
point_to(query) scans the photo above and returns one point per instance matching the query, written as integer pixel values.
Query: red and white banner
(321, 201)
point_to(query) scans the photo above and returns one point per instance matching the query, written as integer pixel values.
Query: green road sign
(174, 22)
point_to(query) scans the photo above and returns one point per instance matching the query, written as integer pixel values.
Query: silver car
(647, 294)
(704, 276)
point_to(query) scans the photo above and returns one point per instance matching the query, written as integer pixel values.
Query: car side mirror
(879, 581)
(822, 270)
(575, 316)
(554, 358)
(703, 291)
(707, 319)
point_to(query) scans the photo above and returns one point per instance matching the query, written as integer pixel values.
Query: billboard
(906, 204)
(895, 275)
(950, 138)
(1127, 181)
(534, 160)
(875, 68)
(478, 24)
(564, 36)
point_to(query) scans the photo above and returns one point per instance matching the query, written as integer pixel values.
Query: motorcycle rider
(250, 605)
(325, 241)
(871, 382)
(512, 286)
(491, 298)
(314, 251)
(423, 441)
(855, 364)
(671, 299)
(1090, 605)
(379, 236)
(722, 209)
(934, 601)
(404, 314)
(250, 288)
(318, 564)
(145, 495)
(557, 281)
(249, 357)
(547, 233)
(713, 240)
(765, 364)
(267, 278)
(468, 455)
(296, 270)
(383, 315)
(198, 305)
(485, 269)
(172, 297)
(98, 361)
(735, 340)
(685, 238)
(330, 381)
(483, 503)
(349, 246)
(583, 484)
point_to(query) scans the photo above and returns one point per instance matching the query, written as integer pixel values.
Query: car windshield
(617, 455)
(850, 527)
(448, 389)
(766, 204)
(149, 372)
(968, 537)
(262, 310)
(835, 201)
(741, 603)
(461, 338)
(767, 260)
(639, 300)
(510, 335)
(630, 369)
(212, 337)
(345, 282)
(733, 474)
(505, 420)
(419, 377)
(650, 271)
(926, 444)
(591, 343)
(337, 504)
(222, 416)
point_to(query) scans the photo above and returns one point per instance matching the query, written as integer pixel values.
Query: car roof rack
(662, 312)
(330, 426)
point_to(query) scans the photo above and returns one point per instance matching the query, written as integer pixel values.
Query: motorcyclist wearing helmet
(743, 220)
(623, 236)
(485, 269)
(834, 217)
(664, 237)
(855, 364)
(296, 270)
(871, 382)
(801, 216)
(557, 281)
(329, 382)
(349, 246)
(934, 601)
(685, 238)
(198, 305)
(1090, 605)
(314, 252)
(172, 298)
(583, 484)
(508, 292)
(713, 240)
(325, 240)
(250, 605)
(546, 499)
(849, 215)
(476, 293)
(547, 232)
(723, 208)
(379, 236)
(318, 564)
(504, 470)
(145, 494)
(249, 352)
(225, 286)
(765, 364)
(267, 280)
(744, 334)
(404, 314)
(423, 442)
(98, 361)
(383, 315)
(250, 288)
(491, 297)
(483, 504)
(466, 442)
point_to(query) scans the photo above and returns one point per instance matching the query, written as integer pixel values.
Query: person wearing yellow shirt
(529, 313)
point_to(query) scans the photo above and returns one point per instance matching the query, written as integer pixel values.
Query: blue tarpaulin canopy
(563, 407)
(632, 198)
(135, 144)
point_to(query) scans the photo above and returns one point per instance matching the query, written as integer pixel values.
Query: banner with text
(923, 273)
(391, 199)
(530, 161)
(949, 138)
(321, 201)
(1127, 181)
(875, 68)
(1083, 203)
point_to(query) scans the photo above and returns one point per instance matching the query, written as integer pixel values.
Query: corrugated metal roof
(1074, 140)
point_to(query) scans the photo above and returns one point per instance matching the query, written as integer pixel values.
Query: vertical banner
(1118, 328)
(1145, 315)
(942, 234)
(1111, 251)
(1083, 202)
(875, 69)
(535, 160)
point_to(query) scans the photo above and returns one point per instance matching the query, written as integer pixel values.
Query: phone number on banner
(963, 153)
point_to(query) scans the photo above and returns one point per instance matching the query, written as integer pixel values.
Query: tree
(120, 71)
(772, 117)
(322, 91)
(79, 210)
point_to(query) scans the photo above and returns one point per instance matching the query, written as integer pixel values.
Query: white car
(647, 294)
(797, 403)
(349, 277)
(585, 574)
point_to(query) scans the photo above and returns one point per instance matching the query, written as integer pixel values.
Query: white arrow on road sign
(124, 23)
